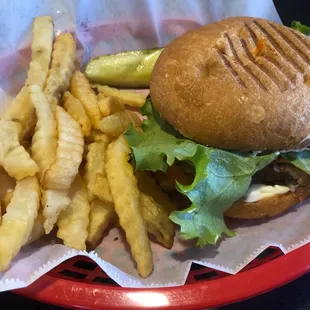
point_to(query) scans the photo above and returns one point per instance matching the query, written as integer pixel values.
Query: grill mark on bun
(284, 67)
(301, 37)
(226, 109)
(270, 72)
(251, 33)
(283, 49)
(293, 42)
(229, 66)
(291, 76)
(246, 69)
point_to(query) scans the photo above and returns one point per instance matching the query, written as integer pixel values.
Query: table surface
(295, 295)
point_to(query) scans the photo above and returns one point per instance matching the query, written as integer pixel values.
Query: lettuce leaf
(301, 28)
(221, 177)
(299, 159)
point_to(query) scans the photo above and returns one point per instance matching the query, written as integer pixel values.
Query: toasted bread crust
(239, 84)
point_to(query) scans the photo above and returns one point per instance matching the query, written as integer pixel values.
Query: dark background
(293, 296)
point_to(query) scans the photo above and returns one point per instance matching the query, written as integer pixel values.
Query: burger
(230, 101)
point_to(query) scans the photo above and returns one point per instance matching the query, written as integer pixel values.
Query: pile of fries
(61, 145)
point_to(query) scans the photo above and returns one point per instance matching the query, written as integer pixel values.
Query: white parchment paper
(110, 26)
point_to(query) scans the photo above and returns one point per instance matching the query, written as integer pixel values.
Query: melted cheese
(258, 192)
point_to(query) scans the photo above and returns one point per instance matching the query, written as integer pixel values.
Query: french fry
(155, 209)
(37, 230)
(95, 162)
(81, 89)
(6, 200)
(74, 107)
(70, 148)
(63, 58)
(36, 75)
(109, 105)
(42, 42)
(41, 48)
(123, 96)
(167, 180)
(127, 204)
(117, 123)
(53, 202)
(98, 186)
(73, 221)
(157, 220)
(13, 157)
(147, 184)
(18, 221)
(26, 144)
(44, 140)
(85, 152)
(7, 183)
(97, 136)
(100, 217)
(21, 108)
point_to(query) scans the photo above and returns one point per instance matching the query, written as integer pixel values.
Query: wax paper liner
(112, 26)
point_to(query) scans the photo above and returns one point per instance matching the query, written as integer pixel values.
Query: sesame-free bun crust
(268, 207)
(240, 84)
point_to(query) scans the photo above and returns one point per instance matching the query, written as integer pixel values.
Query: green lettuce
(300, 27)
(221, 177)
(299, 159)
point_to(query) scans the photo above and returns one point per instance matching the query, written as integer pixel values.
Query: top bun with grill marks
(240, 84)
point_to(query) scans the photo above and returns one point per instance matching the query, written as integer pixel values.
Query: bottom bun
(268, 207)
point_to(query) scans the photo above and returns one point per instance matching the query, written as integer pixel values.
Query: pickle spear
(128, 69)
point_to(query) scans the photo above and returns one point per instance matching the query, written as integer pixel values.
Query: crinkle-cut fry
(117, 123)
(95, 162)
(157, 220)
(44, 140)
(29, 127)
(74, 107)
(97, 135)
(7, 183)
(148, 185)
(99, 186)
(36, 75)
(26, 144)
(123, 96)
(13, 157)
(53, 202)
(73, 221)
(62, 67)
(20, 110)
(37, 230)
(175, 173)
(126, 197)
(101, 215)
(69, 153)
(7, 199)
(42, 40)
(81, 89)
(109, 105)
(18, 221)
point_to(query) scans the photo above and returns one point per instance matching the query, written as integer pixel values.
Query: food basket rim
(67, 293)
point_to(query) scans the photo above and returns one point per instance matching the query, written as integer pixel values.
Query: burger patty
(281, 172)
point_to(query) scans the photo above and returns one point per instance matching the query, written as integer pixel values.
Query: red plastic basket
(79, 282)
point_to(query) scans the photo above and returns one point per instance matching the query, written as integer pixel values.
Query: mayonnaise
(258, 192)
